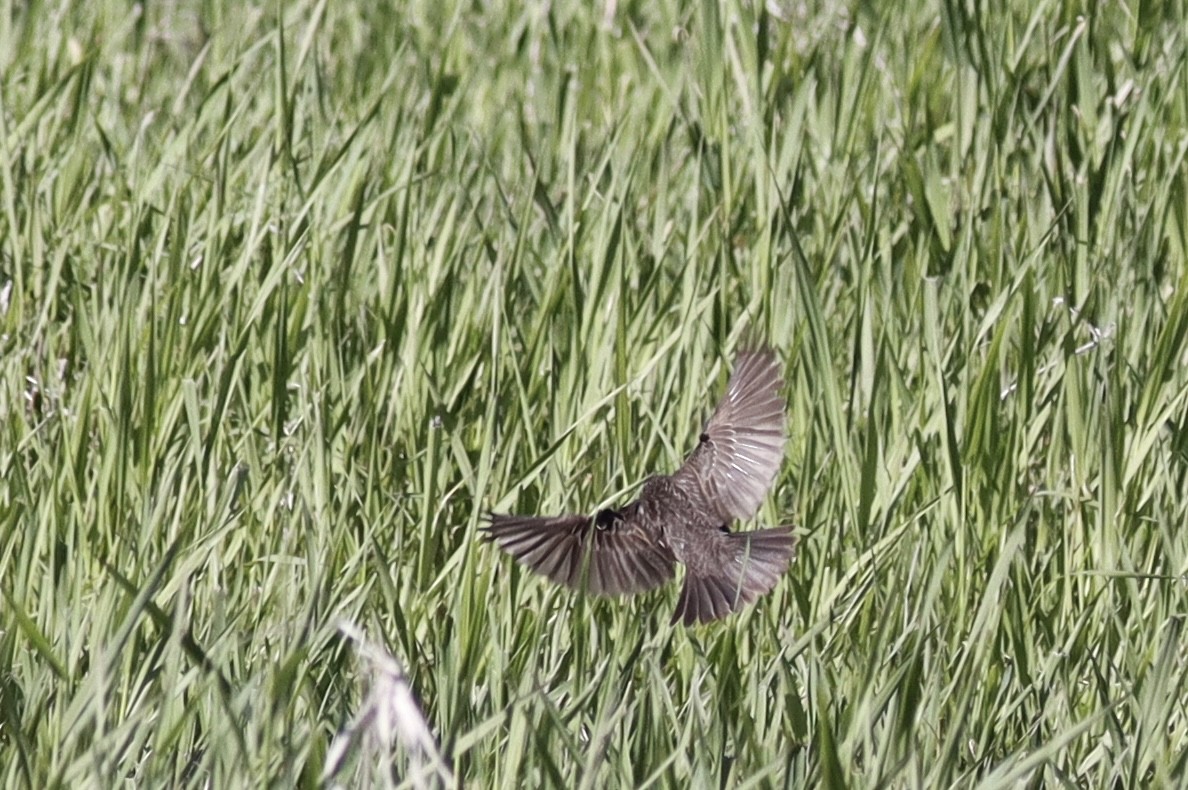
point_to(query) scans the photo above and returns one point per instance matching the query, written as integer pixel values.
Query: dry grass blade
(389, 716)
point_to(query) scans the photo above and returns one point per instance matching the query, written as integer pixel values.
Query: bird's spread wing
(742, 445)
(615, 558)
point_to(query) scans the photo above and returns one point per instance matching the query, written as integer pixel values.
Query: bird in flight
(683, 517)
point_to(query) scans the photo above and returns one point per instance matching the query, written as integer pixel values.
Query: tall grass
(290, 294)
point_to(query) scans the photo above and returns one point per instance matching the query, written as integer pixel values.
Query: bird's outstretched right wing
(611, 558)
(742, 446)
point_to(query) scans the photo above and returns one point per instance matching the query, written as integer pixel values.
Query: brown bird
(682, 517)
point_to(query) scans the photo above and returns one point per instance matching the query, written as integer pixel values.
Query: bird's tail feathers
(757, 561)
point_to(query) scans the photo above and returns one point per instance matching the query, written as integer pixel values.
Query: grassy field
(290, 294)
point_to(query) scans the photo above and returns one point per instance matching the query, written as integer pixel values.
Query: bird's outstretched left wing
(604, 557)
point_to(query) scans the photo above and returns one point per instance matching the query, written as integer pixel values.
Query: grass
(290, 294)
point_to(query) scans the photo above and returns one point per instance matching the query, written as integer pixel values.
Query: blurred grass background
(291, 293)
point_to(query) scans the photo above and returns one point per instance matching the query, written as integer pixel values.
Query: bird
(683, 517)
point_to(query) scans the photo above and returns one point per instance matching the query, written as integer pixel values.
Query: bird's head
(607, 519)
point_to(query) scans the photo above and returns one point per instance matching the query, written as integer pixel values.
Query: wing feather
(742, 446)
(572, 551)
